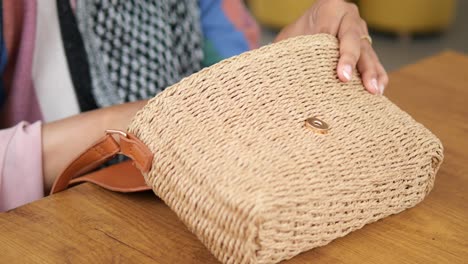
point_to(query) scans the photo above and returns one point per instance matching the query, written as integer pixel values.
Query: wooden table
(87, 224)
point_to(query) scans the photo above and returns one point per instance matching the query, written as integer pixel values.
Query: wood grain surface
(87, 224)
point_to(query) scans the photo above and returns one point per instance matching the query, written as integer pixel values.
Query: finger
(383, 77)
(350, 46)
(368, 68)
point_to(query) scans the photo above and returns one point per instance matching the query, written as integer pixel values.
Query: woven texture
(234, 160)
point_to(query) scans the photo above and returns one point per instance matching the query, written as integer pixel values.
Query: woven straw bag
(267, 154)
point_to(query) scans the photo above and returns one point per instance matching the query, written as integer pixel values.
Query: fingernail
(347, 72)
(375, 86)
(381, 88)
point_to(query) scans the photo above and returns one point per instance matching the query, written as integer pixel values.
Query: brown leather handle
(102, 151)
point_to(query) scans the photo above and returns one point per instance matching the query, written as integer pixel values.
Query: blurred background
(403, 31)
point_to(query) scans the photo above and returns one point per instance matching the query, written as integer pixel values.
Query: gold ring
(368, 38)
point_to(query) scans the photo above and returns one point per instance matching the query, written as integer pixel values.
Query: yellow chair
(278, 13)
(408, 16)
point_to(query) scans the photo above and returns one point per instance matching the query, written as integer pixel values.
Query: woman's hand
(342, 19)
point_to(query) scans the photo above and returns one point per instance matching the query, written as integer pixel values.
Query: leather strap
(103, 150)
(122, 177)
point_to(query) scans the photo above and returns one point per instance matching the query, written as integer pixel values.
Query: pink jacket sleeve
(21, 179)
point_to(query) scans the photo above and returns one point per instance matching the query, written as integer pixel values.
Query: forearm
(63, 140)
